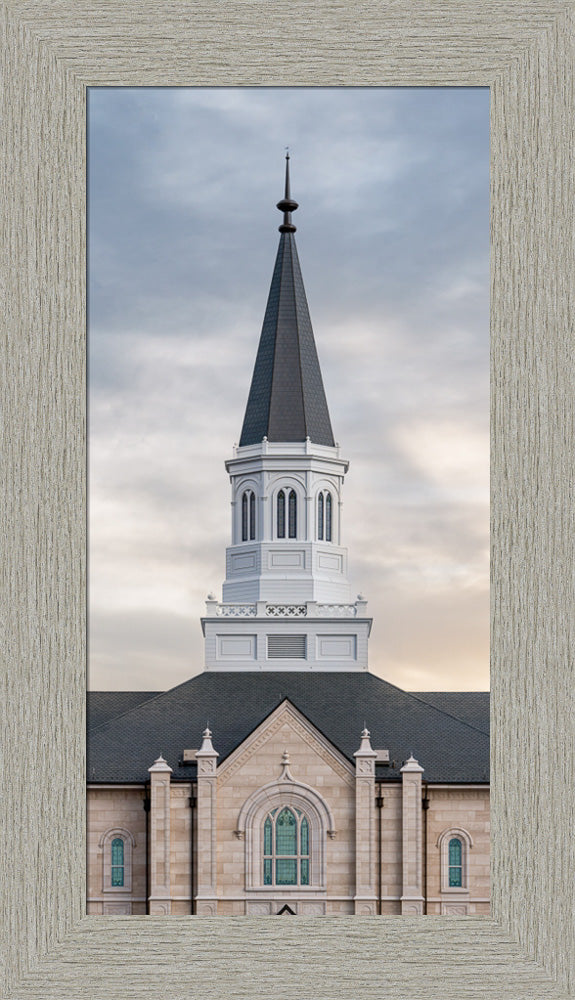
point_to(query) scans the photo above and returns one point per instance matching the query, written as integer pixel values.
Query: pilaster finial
(207, 747)
(287, 205)
(365, 748)
(286, 774)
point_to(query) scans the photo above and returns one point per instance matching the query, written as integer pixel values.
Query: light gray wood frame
(524, 51)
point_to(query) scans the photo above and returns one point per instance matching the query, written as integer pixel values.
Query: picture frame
(525, 53)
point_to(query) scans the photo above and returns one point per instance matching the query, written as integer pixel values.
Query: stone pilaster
(206, 898)
(412, 886)
(365, 847)
(159, 846)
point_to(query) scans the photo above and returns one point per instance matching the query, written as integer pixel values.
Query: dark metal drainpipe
(379, 803)
(192, 804)
(147, 811)
(425, 807)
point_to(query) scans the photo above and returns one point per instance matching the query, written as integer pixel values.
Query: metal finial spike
(287, 205)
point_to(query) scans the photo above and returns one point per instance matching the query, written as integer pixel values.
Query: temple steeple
(286, 597)
(287, 399)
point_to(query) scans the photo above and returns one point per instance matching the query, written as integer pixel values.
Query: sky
(393, 240)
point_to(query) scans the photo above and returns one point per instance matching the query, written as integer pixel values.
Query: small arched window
(292, 514)
(320, 516)
(455, 852)
(328, 517)
(117, 847)
(454, 846)
(286, 848)
(252, 515)
(248, 516)
(244, 517)
(281, 514)
(117, 859)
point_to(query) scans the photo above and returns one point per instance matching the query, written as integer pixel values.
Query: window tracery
(286, 855)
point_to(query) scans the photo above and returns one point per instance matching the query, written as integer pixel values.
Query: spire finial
(287, 205)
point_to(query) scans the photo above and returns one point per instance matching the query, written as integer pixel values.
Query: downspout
(425, 807)
(192, 804)
(147, 811)
(379, 803)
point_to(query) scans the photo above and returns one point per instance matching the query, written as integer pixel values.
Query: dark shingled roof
(105, 705)
(469, 706)
(338, 705)
(287, 399)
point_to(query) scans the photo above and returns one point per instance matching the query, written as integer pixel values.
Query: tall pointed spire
(287, 398)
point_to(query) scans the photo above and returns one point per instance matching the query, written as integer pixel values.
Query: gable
(286, 728)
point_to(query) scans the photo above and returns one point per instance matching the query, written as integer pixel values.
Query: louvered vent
(286, 647)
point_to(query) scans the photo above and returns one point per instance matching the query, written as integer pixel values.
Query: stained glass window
(286, 833)
(286, 848)
(286, 871)
(268, 836)
(117, 861)
(292, 514)
(281, 514)
(320, 516)
(328, 517)
(455, 863)
(304, 836)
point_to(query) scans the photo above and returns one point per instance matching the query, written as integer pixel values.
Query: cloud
(393, 241)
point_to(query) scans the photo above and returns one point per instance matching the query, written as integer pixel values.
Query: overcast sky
(393, 239)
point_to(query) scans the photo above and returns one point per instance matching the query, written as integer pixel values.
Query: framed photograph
(525, 56)
(383, 226)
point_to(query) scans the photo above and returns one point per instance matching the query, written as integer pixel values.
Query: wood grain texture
(525, 52)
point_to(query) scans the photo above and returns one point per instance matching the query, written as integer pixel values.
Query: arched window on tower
(281, 514)
(244, 517)
(328, 517)
(248, 516)
(320, 516)
(252, 516)
(286, 848)
(292, 514)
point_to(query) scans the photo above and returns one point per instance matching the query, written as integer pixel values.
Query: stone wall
(286, 754)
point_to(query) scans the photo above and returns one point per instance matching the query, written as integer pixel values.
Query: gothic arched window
(286, 848)
(244, 517)
(292, 514)
(281, 514)
(328, 517)
(320, 516)
(248, 516)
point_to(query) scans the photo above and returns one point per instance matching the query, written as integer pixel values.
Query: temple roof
(339, 705)
(287, 399)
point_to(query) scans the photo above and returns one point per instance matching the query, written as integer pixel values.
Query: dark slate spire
(287, 399)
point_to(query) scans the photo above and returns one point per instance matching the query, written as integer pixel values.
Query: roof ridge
(147, 701)
(450, 715)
